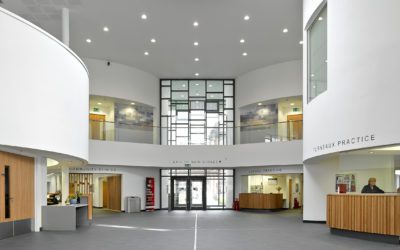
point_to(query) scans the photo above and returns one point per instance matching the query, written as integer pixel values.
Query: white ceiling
(170, 22)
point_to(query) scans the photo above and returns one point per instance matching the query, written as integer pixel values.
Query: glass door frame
(189, 180)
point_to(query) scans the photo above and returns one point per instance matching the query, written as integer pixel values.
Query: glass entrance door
(179, 195)
(197, 194)
(188, 193)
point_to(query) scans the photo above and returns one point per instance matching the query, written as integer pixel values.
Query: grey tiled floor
(176, 230)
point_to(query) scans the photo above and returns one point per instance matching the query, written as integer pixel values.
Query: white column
(65, 26)
(64, 183)
(40, 191)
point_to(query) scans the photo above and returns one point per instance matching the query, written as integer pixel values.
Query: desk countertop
(71, 205)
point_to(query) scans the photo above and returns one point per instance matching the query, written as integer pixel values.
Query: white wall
(272, 82)
(125, 82)
(45, 91)
(319, 181)
(147, 155)
(133, 180)
(362, 86)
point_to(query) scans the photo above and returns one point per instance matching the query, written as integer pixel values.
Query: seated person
(371, 188)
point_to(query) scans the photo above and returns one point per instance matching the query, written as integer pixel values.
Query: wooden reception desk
(260, 201)
(365, 213)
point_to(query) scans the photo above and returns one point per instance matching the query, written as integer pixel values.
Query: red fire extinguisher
(235, 205)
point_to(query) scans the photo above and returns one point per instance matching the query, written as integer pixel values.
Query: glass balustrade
(260, 133)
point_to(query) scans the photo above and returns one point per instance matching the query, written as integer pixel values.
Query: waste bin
(132, 204)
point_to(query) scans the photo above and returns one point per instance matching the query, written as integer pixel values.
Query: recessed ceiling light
(143, 16)
(88, 40)
(326, 61)
(242, 40)
(292, 104)
(106, 29)
(196, 59)
(196, 43)
(259, 104)
(153, 40)
(320, 18)
(285, 30)
(183, 85)
(244, 54)
(312, 75)
(197, 94)
(301, 42)
(182, 96)
(246, 17)
(210, 85)
(132, 103)
(146, 53)
(99, 103)
(196, 74)
(197, 84)
(195, 24)
(371, 152)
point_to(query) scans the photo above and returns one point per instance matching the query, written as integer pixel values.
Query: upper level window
(317, 56)
(197, 112)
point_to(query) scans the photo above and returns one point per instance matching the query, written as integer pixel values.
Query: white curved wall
(362, 93)
(44, 95)
(272, 82)
(125, 82)
(363, 78)
(148, 155)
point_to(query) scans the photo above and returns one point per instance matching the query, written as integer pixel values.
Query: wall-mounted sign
(93, 170)
(345, 142)
(191, 162)
(270, 170)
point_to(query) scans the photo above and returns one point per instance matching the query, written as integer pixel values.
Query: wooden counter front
(260, 201)
(369, 213)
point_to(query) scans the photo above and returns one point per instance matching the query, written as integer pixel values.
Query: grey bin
(132, 204)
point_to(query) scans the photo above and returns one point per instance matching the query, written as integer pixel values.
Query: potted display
(279, 189)
(72, 199)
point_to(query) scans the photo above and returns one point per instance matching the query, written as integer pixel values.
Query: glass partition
(115, 119)
(317, 56)
(197, 112)
(271, 121)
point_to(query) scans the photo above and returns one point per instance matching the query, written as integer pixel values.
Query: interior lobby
(170, 124)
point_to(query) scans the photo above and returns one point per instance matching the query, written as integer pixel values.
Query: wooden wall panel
(114, 192)
(22, 194)
(379, 214)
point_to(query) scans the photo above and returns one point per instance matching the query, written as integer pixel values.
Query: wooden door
(97, 126)
(105, 194)
(295, 127)
(290, 193)
(21, 187)
(114, 192)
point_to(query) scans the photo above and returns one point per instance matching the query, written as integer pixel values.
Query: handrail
(238, 126)
(15, 16)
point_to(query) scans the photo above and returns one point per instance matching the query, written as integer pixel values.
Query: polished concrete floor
(193, 230)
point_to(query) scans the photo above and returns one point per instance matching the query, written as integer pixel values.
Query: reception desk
(377, 214)
(64, 217)
(260, 201)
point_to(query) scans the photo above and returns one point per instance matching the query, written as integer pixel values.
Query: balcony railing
(269, 132)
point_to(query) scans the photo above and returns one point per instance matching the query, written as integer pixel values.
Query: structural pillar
(65, 26)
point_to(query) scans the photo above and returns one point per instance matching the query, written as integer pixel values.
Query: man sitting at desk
(371, 188)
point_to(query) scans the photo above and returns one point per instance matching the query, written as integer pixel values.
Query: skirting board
(315, 221)
(367, 236)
